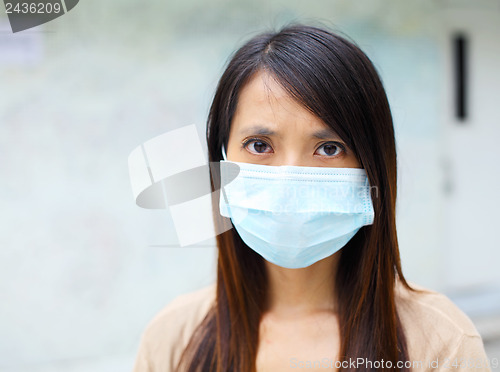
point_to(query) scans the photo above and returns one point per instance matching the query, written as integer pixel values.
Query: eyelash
(250, 140)
(338, 144)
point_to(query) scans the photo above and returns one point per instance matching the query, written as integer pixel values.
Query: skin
(270, 128)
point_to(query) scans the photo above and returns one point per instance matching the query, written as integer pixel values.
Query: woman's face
(270, 128)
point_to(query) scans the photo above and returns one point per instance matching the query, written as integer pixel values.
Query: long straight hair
(336, 81)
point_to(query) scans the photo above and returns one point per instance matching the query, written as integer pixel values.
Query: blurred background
(83, 269)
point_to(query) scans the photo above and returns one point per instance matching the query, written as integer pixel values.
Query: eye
(330, 149)
(257, 146)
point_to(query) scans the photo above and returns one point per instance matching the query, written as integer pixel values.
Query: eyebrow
(264, 131)
(259, 129)
(325, 133)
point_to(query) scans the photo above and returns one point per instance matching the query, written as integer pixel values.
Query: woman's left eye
(330, 149)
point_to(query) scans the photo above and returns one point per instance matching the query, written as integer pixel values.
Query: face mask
(294, 216)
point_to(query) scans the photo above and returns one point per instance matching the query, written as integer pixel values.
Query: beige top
(440, 337)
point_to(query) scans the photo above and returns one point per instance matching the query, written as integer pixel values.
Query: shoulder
(435, 328)
(168, 333)
(432, 308)
(185, 308)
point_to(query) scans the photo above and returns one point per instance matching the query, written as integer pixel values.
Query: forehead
(263, 102)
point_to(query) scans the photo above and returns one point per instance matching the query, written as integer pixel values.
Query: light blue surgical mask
(294, 216)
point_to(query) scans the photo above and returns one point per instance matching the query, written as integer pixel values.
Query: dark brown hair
(337, 82)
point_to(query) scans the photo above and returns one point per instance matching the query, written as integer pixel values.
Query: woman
(310, 275)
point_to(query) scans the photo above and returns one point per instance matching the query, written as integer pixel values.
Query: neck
(305, 291)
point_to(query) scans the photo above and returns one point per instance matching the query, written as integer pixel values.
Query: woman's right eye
(257, 146)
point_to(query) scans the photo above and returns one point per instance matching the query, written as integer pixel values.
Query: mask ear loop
(224, 152)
